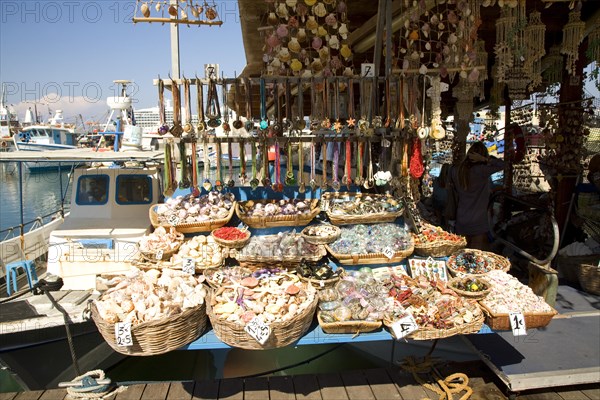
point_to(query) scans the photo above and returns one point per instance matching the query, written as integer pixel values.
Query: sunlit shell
(210, 13)
(282, 11)
(427, 46)
(345, 51)
(145, 10)
(311, 23)
(301, 35)
(194, 12)
(157, 7)
(272, 18)
(294, 46)
(282, 31)
(284, 55)
(343, 31)
(319, 10)
(334, 42)
(184, 15)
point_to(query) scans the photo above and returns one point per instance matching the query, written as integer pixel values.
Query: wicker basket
(431, 334)
(349, 219)
(471, 295)
(323, 283)
(589, 278)
(353, 327)
(439, 248)
(501, 322)
(371, 258)
(232, 244)
(195, 227)
(277, 220)
(501, 263)
(322, 239)
(156, 337)
(568, 266)
(282, 333)
(166, 255)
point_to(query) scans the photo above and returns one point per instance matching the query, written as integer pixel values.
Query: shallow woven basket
(205, 226)
(151, 255)
(569, 266)
(277, 220)
(287, 261)
(156, 337)
(589, 278)
(439, 248)
(471, 295)
(323, 283)
(501, 263)
(371, 258)
(501, 322)
(353, 327)
(349, 219)
(322, 239)
(430, 334)
(232, 244)
(282, 333)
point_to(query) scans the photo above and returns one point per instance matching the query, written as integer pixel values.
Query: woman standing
(472, 182)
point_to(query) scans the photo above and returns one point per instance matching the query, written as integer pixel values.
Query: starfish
(326, 124)
(337, 126)
(351, 122)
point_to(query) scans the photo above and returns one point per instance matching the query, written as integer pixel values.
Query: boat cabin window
(34, 132)
(134, 189)
(92, 190)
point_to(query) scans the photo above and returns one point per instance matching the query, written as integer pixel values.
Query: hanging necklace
(206, 162)
(230, 182)
(226, 127)
(184, 183)
(176, 129)
(201, 127)
(290, 180)
(301, 185)
(313, 162)
(254, 181)
(237, 124)
(359, 163)
(163, 128)
(266, 181)
(249, 125)
(336, 157)
(167, 177)
(195, 189)
(351, 122)
(188, 127)
(213, 110)
(264, 123)
(324, 176)
(278, 187)
(243, 177)
(300, 123)
(369, 181)
(219, 179)
(347, 179)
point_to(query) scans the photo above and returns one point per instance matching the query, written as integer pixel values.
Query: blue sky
(67, 53)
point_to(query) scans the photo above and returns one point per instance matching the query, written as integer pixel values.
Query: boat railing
(29, 226)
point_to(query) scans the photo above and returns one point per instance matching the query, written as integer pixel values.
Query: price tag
(517, 323)
(258, 330)
(367, 70)
(388, 252)
(123, 334)
(159, 255)
(404, 326)
(322, 284)
(188, 266)
(173, 220)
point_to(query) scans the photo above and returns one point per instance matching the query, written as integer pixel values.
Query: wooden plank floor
(374, 384)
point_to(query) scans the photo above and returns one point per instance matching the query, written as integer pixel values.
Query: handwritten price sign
(123, 334)
(173, 220)
(258, 330)
(517, 323)
(188, 266)
(404, 326)
(388, 252)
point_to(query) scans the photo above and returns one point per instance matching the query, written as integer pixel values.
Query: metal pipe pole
(22, 227)
(174, 44)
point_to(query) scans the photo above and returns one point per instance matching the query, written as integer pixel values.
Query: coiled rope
(446, 387)
(91, 385)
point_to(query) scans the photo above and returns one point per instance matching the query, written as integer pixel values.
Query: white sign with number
(188, 266)
(517, 324)
(404, 326)
(367, 70)
(159, 255)
(123, 334)
(388, 252)
(173, 220)
(258, 330)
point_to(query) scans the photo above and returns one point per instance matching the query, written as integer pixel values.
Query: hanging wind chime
(534, 48)
(572, 36)
(594, 45)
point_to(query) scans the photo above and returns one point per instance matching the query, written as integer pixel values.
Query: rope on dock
(92, 385)
(446, 387)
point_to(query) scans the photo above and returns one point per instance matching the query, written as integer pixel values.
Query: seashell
(474, 75)
(273, 41)
(292, 290)
(194, 12)
(282, 31)
(428, 46)
(184, 15)
(296, 65)
(413, 35)
(345, 51)
(173, 11)
(272, 18)
(343, 31)
(452, 18)
(291, 3)
(293, 22)
(225, 308)
(310, 3)
(311, 23)
(249, 282)
(210, 13)
(316, 65)
(321, 31)
(317, 42)
(301, 10)
(282, 11)
(452, 39)
(199, 9)
(157, 7)
(335, 64)
(331, 20)
(319, 10)
(334, 42)
(145, 10)
(441, 26)
(324, 54)
(307, 74)
(434, 19)
(348, 72)
(294, 46)
(284, 55)
(341, 7)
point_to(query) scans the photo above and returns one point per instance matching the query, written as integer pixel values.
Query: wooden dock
(371, 384)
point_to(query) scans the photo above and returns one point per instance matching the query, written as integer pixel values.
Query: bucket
(132, 136)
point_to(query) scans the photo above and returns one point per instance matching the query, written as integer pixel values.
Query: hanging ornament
(594, 45)
(145, 10)
(573, 33)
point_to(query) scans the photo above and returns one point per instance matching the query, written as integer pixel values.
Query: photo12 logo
(92, 12)
(65, 92)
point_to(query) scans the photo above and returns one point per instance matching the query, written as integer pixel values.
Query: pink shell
(293, 22)
(317, 43)
(273, 41)
(301, 9)
(282, 31)
(331, 20)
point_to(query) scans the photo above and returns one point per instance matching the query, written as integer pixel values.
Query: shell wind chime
(307, 38)
(534, 38)
(186, 11)
(572, 37)
(594, 45)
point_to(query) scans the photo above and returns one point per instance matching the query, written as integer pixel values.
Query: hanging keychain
(359, 163)
(290, 180)
(335, 184)
(176, 129)
(264, 123)
(347, 179)
(201, 127)
(226, 127)
(266, 181)
(301, 185)
(195, 189)
(313, 162)
(213, 110)
(278, 187)
(163, 127)
(219, 179)
(249, 125)
(230, 182)
(206, 162)
(254, 181)
(324, 176)
(243, 177)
